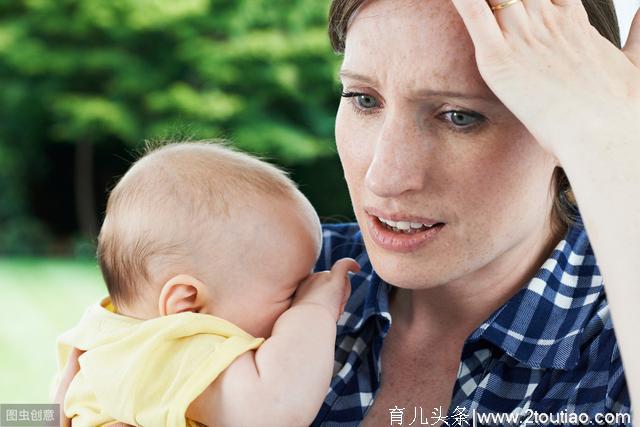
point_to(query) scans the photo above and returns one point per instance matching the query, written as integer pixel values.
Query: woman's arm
(579, 97)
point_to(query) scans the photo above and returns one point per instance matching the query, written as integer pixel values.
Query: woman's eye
(366, 101)
(460, 119)
(362, 101)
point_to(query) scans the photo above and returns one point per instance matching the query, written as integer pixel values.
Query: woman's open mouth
(406, 226)
(402, 235)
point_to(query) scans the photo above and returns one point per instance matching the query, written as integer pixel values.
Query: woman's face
(423, 140)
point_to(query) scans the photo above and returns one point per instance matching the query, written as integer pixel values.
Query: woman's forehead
(409, 41)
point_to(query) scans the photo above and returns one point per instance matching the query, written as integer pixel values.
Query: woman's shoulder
(552, 345)
(600, 360)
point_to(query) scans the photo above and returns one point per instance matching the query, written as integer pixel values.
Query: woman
(452, 133)
(429, 133)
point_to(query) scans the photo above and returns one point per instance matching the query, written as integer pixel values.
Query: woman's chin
(406, 276)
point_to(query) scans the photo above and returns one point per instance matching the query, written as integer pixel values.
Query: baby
(214, 316)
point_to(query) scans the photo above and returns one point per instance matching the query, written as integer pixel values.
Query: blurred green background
(84, 82)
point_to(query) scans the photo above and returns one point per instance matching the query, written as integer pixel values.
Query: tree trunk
(85, 202)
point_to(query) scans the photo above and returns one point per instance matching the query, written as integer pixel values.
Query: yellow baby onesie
(146, 372)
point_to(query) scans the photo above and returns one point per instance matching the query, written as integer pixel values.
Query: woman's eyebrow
(426, 93)
(355, 76)
(423, 93)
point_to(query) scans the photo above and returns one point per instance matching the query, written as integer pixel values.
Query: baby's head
(201, 227)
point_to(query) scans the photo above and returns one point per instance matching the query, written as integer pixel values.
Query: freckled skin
(491, 186)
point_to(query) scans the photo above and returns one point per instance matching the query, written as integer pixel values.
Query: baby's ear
(182, 293)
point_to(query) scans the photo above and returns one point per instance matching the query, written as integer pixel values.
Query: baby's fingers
(342, 266)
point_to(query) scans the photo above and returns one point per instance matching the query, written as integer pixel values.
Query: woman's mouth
(402, 235)
(405, 226)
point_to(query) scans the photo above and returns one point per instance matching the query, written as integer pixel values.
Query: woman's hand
(553, 70)
(70, 371)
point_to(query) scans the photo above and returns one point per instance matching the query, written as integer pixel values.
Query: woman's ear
(183, 293)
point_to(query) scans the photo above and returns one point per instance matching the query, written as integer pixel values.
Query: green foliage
(259, 71)
(122, 69)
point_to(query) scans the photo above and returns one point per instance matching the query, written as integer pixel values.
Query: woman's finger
(512, 19)
(543, 16)
(70, 371)
(632, 47)
(482, 26)
(568, 3)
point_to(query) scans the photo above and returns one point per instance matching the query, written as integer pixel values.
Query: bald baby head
(163, 215)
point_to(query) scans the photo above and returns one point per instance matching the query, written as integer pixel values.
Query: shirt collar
(369, 299)
(540, 326)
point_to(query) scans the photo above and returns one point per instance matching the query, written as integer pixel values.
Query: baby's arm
(285, 381)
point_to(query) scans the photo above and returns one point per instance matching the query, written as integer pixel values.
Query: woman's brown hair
(602, 16)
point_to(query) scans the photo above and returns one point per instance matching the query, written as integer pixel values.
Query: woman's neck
(453, 310)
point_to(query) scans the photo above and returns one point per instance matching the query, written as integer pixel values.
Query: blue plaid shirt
(549, 348)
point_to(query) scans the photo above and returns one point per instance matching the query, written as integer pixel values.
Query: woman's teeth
(404, 226)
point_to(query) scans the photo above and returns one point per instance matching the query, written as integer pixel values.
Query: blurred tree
(85, 72)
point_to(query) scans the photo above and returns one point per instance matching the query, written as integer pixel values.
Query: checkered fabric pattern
(549, 348)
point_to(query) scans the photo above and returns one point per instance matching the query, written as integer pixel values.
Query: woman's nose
(398, 164)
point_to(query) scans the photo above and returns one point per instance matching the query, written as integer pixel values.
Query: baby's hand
(329, 289)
